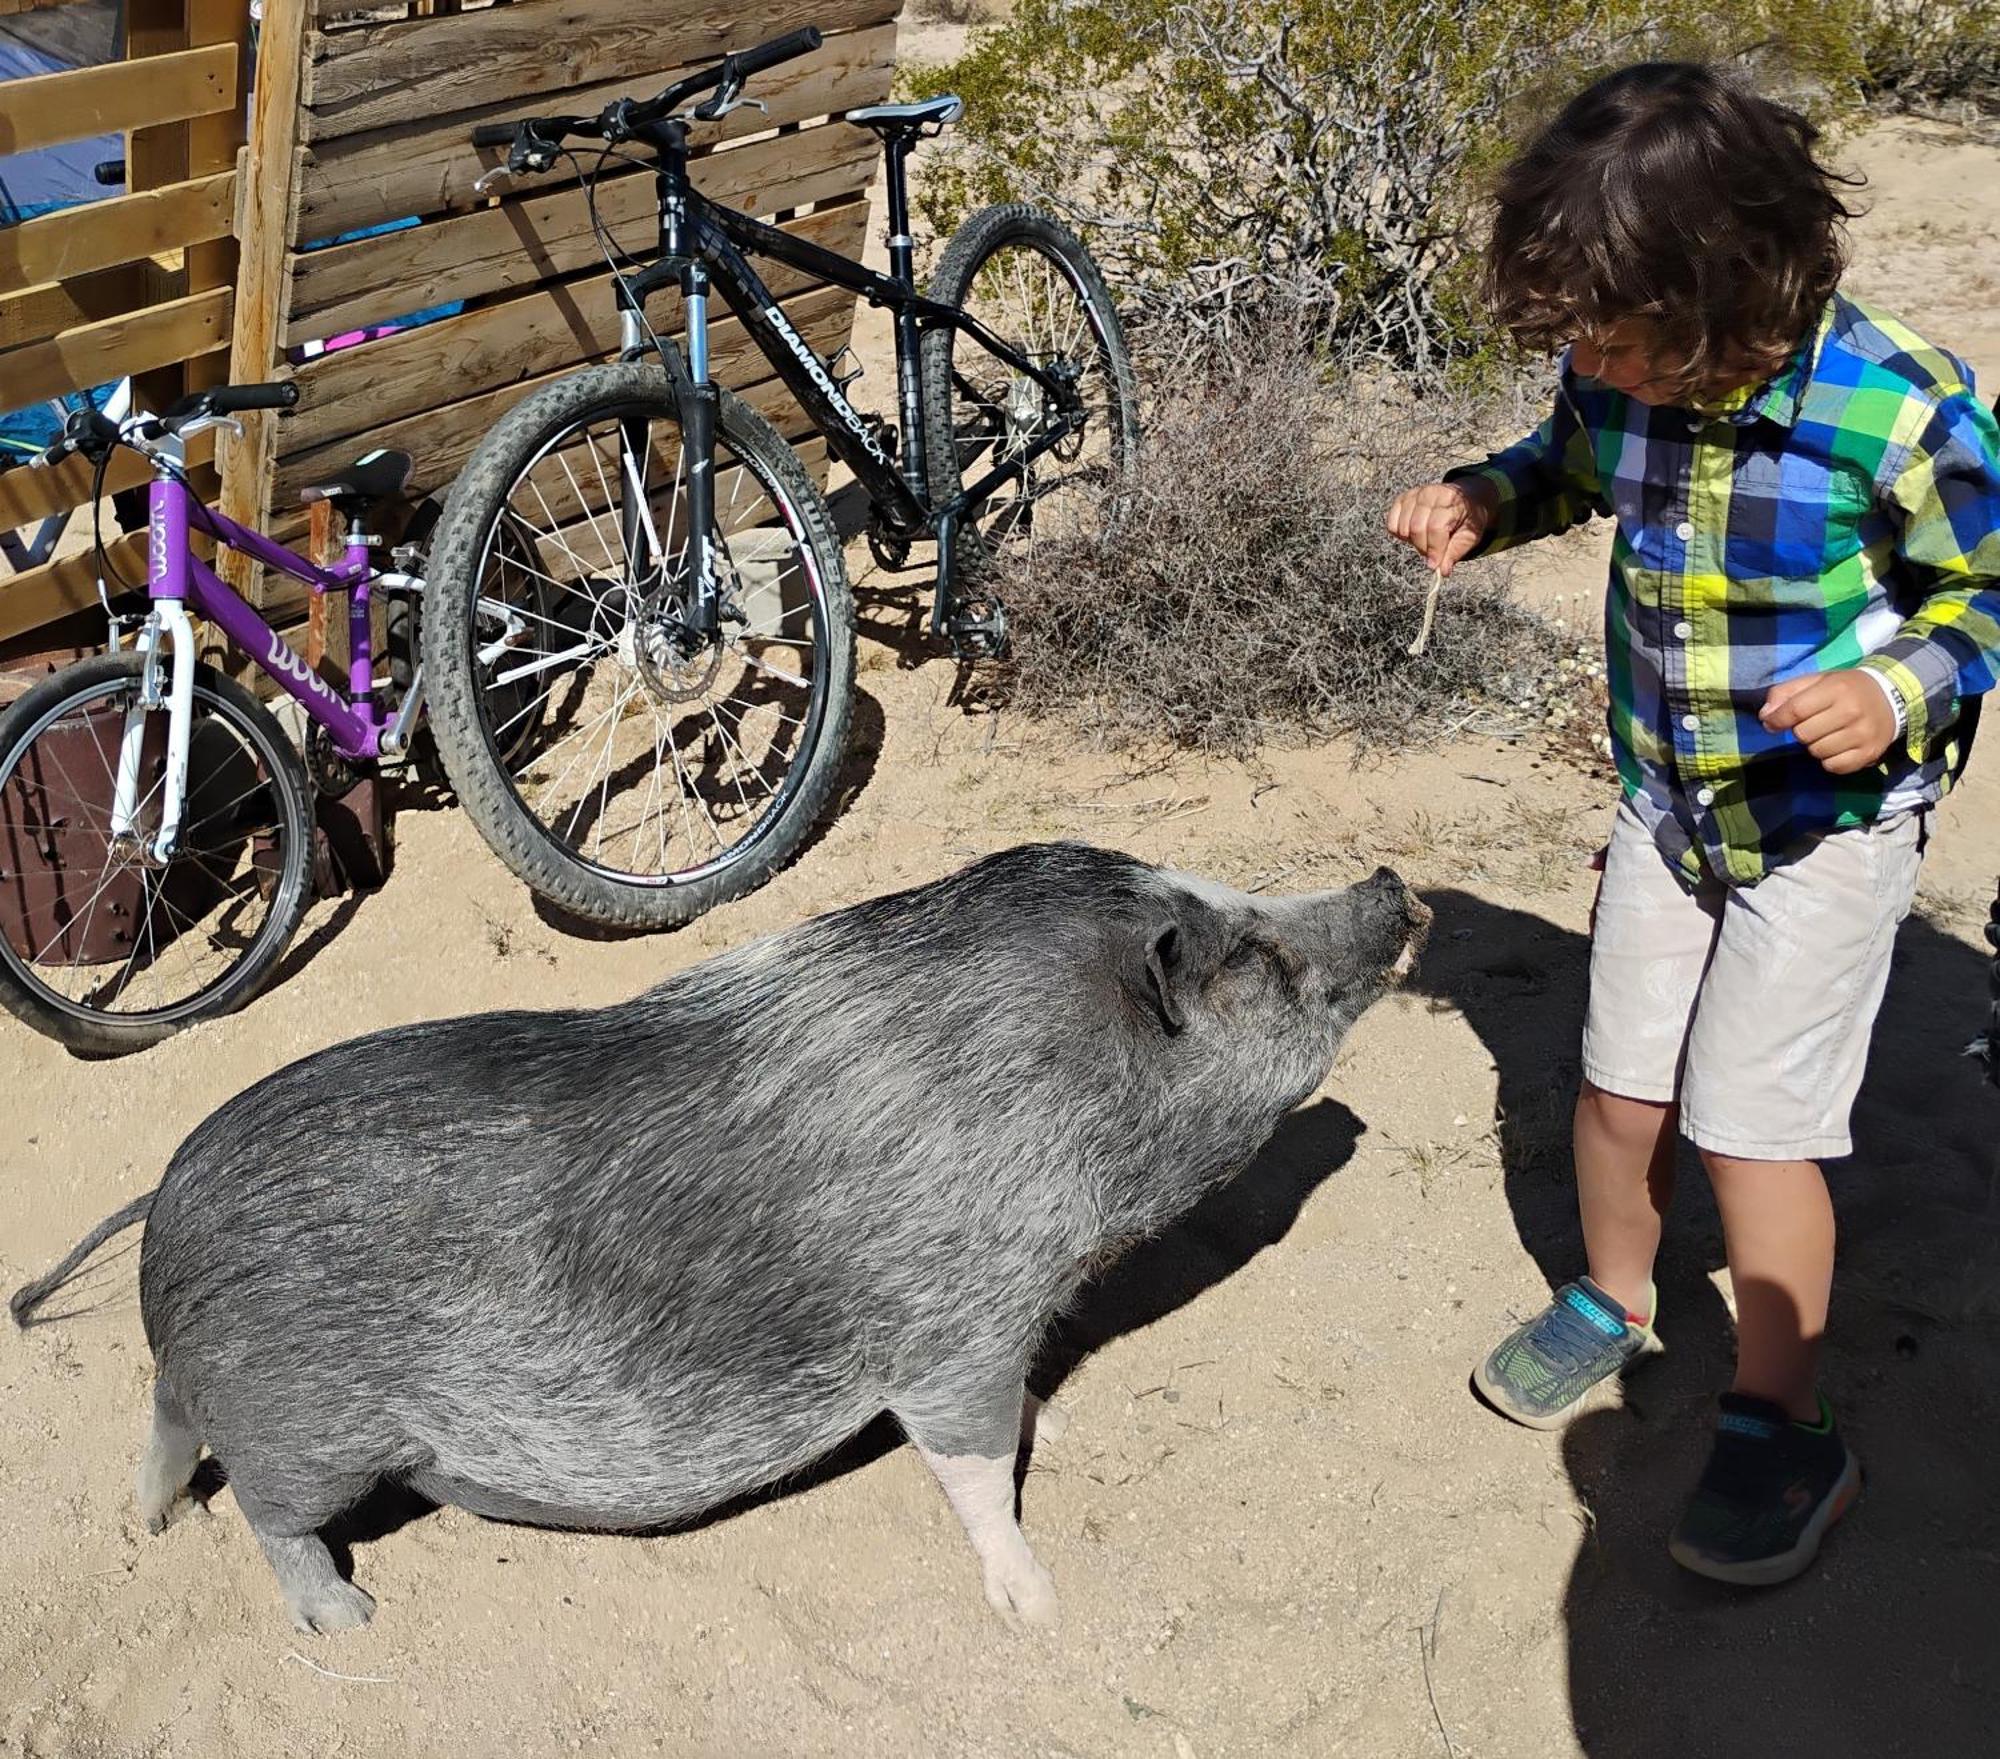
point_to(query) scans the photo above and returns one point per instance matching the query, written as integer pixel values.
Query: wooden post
(213, 143)
(267, 175)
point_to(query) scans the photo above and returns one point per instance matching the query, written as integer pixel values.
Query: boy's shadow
(1887, 1646)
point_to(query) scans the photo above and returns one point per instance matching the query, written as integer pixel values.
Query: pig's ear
(1166, 949)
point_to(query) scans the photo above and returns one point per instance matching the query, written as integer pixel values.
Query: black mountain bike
(639, 545)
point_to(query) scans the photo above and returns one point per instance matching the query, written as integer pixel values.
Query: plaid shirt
(1845, 513)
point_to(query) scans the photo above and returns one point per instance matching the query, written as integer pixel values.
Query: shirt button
(1694, 427)
(1684, 531)
(1683, 630)
(1690, 722)
(1706, 796)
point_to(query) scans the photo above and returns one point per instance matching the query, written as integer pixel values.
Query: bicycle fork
(167, 553)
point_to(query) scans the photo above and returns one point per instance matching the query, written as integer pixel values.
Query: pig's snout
(1401, 915)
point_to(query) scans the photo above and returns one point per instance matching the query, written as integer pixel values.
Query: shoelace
(1568, 1340)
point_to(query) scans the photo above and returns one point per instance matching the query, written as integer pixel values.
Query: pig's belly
(595, 1471)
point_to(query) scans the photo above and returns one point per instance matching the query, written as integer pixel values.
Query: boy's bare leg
(1624, 1182)
(1777, 1225)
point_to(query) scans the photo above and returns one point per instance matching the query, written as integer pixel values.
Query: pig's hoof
(337, 1606)
(1022, 1593)
(160, 1515)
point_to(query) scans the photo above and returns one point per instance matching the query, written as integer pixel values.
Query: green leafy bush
(1225, 158)
(1931, 54)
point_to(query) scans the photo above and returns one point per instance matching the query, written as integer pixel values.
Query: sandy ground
(1279, 1523)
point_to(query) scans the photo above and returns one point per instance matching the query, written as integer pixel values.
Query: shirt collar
(1779, 398)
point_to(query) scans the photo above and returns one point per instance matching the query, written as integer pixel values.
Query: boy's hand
(1443, 522)
(1842, 718)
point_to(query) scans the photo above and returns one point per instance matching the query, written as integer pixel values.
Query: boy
(1804, 597)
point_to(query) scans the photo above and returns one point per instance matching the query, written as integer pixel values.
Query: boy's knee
(1739, 1168)
(1639, 1120)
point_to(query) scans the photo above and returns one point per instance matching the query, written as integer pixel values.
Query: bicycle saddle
(932, 114)
(380, 475)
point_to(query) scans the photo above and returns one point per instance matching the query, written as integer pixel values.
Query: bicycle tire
(477, 501)
(100, 1032)
(980, 238)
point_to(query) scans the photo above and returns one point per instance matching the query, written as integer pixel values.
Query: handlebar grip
(786, 48)
(494, 134)
(230, 399)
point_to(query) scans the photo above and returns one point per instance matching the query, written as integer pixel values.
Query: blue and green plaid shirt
(1847, 513)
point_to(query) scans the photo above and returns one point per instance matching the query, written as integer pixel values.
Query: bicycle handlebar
(230, 399)
(93, 433)
(533, 140)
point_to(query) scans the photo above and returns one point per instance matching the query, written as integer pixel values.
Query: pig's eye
(1252, 950)
(1245, 952)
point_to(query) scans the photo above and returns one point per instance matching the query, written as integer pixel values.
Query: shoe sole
(1767, 1572)
(1491, 1395)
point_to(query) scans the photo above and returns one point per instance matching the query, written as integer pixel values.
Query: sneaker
(1772, 1488)
(1540, 1372)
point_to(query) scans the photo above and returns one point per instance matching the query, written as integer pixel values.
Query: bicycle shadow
(1884, 1648)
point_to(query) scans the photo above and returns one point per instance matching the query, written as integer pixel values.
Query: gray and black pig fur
(610, 1268)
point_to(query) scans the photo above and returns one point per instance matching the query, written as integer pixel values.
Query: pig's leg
(318, 1598)
(969, 1433)
(171, 1452)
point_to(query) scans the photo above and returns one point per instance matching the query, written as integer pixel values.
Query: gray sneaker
(1540, 1371)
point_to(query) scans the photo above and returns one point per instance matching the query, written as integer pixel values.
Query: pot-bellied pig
(611, 1268)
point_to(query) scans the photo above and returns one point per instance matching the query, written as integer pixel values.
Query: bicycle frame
(700, 242)
(179, 579)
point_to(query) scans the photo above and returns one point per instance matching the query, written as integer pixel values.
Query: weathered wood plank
(51, 108)
(523, 242)
(410, 70)
(431, 166)
(133, 342)
(12, 6)
(441, 439)
(124, 229)
(60, 588)
(29, 495)
(359, 389)
(36, 313)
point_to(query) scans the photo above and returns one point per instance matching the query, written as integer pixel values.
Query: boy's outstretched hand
(1842, 718)
(1443, 522)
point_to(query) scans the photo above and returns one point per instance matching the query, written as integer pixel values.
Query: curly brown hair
(1670, 192)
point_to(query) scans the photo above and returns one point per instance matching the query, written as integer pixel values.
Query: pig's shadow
(1212, 1241)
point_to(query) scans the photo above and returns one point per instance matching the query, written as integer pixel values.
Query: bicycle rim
(1029, 297)
(641, 761)
(100, 934)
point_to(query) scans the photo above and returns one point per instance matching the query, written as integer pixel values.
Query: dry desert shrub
(1250, 592)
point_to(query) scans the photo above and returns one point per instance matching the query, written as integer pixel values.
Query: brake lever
(498, 174)
(728, 99)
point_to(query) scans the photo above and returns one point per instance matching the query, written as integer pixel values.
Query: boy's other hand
(1842, 718)
(1443, 522)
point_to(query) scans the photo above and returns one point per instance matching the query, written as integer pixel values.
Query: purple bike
(156, 821)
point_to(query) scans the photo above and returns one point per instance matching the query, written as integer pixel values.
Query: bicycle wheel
(1030, 281)
(102, 948)
(655, 778)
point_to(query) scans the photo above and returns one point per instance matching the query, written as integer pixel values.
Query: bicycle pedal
(978, 635)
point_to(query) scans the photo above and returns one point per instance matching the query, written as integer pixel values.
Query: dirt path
(1279, 1523)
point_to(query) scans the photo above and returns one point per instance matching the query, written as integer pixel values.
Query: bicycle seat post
(896, 144)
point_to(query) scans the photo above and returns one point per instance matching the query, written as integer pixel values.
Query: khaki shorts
(1751, 1006)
